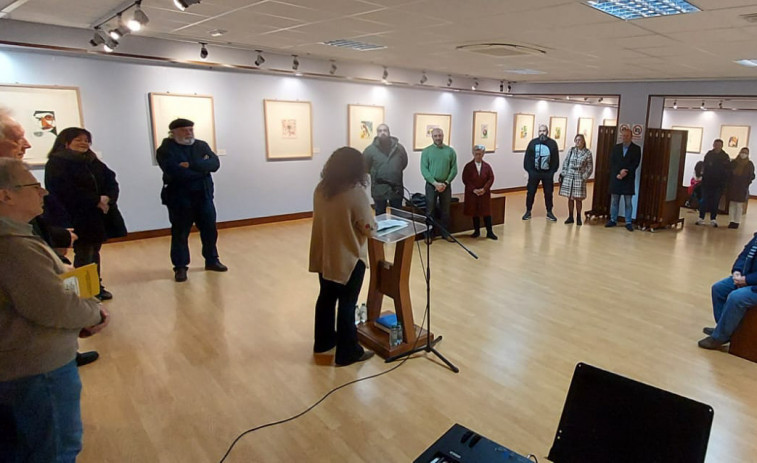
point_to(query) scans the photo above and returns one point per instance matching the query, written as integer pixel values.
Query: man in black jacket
(188, 194)
(541, 162)
(715, 174)
(624, 160)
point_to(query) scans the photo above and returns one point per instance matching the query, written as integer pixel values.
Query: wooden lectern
(393, 279)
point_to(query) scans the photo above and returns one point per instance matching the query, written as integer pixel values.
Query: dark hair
(698, 168)
(343, 170)
(717, 140)
(66, 136)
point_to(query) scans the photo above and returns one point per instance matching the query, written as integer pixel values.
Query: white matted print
(523, 131)
(558, 127)
(166, 107)
(610, 122)
(485, 130)
(362, 122)
(586, 127)
(694, 140)
(423, 124)
(288, 130)
(734, 138)
(43, 112)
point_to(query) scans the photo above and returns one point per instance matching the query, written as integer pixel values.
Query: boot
(733, 225)
(476, 227)
(489, 233)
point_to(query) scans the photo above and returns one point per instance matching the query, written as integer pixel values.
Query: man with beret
(188, 195)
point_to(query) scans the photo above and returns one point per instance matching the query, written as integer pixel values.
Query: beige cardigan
(341, 228)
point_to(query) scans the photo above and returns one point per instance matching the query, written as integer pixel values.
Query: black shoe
(491, 236)
(569, 220)
(104, 295)
(526, 216)
(710, 343)
(475, 234)
(610, 224)
(85, 358)
(733, 225)
(216, 266)
(551, 217)
(180, 274)
(629, 227)
(578, 221)
(708, 330)
(366, 355)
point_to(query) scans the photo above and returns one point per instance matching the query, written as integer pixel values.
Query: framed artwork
(558, 127)
(165, 107)
(586, 127)
(694, 141)
(423, 124)
(610, 122)
(485, 129)
(362, 122)
(42, 111)
(523, 131)
(734, 138)
(288, 130)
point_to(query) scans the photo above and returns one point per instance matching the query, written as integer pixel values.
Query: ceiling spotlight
(385, 76)
(424, 78)
(98, 38)
(332, 71)
(601, 99)
(501, 86)
(203, 51)
(675, 104)
(449, 81)
(475, 84)
(139, 19)
(509, 88)
(720, 105)
(109, 44)
(702, 107)
(295, 63)
(119, 31)
(260, 59)
(184, 4)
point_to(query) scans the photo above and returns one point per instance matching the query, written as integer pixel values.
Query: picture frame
(523, 130)
(610, 122)
(362, 122)
(166, 107)
(288, 130)
(423, 123)
(42, 111)
(694, 140)
(558, 130)
(586, 127)
(485, 130)
(734, 138)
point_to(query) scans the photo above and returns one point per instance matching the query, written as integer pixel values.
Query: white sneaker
(714, 223)
(700, 222)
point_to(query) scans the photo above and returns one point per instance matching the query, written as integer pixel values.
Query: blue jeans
(40, 417)
(615, 207)
(729, 305)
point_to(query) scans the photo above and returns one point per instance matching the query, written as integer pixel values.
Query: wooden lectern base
(378, 340)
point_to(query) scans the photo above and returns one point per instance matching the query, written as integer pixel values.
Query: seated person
(695, 189)
(732, 297)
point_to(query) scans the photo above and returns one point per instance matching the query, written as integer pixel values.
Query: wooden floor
(185, 368)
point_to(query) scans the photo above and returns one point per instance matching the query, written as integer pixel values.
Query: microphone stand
(429, 346)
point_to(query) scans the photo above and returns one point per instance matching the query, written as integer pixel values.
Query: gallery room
(274, 87)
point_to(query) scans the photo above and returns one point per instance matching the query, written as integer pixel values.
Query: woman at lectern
(342, 223)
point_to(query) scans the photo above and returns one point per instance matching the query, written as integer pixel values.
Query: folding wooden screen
(662, 167)
(600, 201)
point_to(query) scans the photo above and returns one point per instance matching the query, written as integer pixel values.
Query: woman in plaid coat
(576, 170)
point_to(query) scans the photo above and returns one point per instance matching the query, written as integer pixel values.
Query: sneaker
(708, 330)
(578, 221)
(551, 217)
(216, 266)
(569, 220)
(733, 225)
(491, 236)
(526, 216)
(85, 358)
(610, 224)
(180, 274)
(700, 222)
(629, 227)
(710, 343)
(714, 223)
(104, 295)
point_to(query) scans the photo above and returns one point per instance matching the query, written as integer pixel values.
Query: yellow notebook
(84, 281)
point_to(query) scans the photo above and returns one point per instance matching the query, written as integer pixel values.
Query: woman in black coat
(742, 174)
(87, 189)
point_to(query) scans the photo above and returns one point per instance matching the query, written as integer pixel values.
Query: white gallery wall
(710, 121)
(114, 97)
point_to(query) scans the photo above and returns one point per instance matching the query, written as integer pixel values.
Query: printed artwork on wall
(166, 107)
(485, 129)
(43, 112)
(734, 138)
(586, 127)
(694, 140)
(424, 124)
(558, 130)
(362, 122)
(523, 131)
(288, 130)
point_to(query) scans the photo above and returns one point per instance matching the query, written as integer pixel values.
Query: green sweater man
(439, 168)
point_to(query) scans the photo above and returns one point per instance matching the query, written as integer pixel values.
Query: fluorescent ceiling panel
(637, 9)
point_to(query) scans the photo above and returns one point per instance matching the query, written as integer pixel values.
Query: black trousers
(199, 211)
(87, 253)
(344, 337)
(380, 204)
(709, 202)
(548, 183)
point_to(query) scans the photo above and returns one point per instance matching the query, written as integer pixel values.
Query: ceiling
(580, 43)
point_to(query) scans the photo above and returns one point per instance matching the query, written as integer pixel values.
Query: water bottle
(357, 314)
(399, 333)
(393, 335)
(363, 313)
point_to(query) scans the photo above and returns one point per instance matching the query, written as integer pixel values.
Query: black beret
(179, 123)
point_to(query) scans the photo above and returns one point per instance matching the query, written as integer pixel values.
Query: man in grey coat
(385, 159)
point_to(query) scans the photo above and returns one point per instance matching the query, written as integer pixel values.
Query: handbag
(115, 227)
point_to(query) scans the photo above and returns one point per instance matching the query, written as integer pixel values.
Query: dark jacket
(738, 186)
(529, 161)
(618, 162)
(716, 170)
(179, 183)
(386, 165)
(746, 264)
(76, 181)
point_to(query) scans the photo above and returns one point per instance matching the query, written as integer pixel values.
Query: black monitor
(609, 418)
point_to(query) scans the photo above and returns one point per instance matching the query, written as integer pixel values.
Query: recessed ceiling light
(637, 9)
(217, 32)
(747, 62)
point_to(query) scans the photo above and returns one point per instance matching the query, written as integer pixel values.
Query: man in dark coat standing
(715, 175)
(188, 194)
(624, 160)
(541, 162)
(385, 159)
